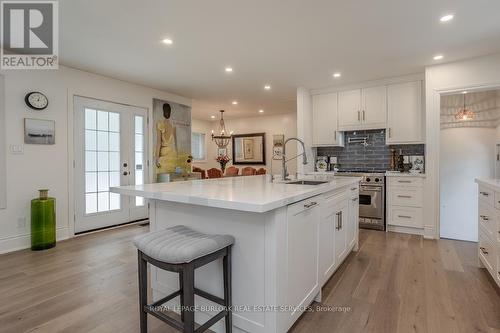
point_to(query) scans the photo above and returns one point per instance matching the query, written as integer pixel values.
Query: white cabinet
(405, 113)
(353, 225)
(327, 223)
(489, 231)
(374, 107)
(341, 222)
(302, 253)
(349, 109)
(325, 125)
(404, 204)
(363, 109)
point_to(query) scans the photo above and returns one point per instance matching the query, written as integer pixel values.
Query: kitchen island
(289, 240)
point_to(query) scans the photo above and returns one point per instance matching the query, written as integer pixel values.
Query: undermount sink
(307, 182)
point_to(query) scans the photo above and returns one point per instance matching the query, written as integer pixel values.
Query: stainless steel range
(371, 199)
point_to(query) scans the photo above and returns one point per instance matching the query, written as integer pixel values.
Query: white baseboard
(22, 242)
(405, 230)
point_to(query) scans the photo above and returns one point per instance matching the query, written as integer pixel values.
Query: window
(198, 146)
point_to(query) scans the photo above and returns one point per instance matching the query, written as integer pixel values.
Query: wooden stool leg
(188, 297)
(181, 296)
(143, 291)
(226, 263)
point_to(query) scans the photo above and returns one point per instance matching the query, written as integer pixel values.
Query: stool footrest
(160, 315)
(208, 296)
(211, 321)
(166, 299)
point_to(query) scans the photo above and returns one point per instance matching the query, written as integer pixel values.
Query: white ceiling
(284, 43)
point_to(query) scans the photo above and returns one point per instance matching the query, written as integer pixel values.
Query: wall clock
(36, 100)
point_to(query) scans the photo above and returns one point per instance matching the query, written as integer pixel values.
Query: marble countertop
(249, 193)
(403, 174)
(492, 183)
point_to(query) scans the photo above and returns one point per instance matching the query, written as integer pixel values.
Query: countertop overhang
(491, 183)
(249, 193)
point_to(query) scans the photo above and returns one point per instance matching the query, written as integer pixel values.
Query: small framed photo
(221, 151)
(39, 131)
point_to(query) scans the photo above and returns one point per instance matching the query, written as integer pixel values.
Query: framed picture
(249, 148)
(39, 131)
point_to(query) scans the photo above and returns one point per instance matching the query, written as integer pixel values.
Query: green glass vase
(43, 222)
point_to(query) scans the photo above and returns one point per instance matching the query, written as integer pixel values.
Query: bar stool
(182, 250)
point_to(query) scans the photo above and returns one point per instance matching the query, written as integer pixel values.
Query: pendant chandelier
(465, 114)
(222, 139)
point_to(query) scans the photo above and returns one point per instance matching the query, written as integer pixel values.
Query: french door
(110, 150)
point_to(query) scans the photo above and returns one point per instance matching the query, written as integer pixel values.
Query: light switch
(17, 149)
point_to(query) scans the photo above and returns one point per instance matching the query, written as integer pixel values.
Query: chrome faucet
(284, 171)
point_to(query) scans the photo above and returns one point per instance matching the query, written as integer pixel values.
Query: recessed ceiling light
(213, 117)
(438, 57)
(446, 18)
(168, 41)
(464, 92)
(337, 75)
(261, 111)
(235, 102)
(229, 69)
(267, 87)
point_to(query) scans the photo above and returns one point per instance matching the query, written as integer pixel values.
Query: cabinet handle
(355, 199)
(341, 220)
(337, 222)
(363, 115)
(311, 204)
(404, 181)
(389, 132)
(404, 216)
(485, 193)
(335, 135)
(484, 217)
(359, 117)
(483, 250)
(404, 196)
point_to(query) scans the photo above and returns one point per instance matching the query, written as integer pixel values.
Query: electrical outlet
(17, 149)
(21, 223)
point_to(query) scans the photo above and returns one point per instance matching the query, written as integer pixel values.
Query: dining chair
(214, 173)
(232, 171)
(200, 170)
(261, 171)
(248, 171)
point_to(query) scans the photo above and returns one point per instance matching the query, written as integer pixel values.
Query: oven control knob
(368, 179)
(377, 180)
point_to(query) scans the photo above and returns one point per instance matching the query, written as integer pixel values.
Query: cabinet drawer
(411, 197)
(405, 216)
(488, 219)
(486, 251)
(405, 181)
(486, 195)
(302, 206)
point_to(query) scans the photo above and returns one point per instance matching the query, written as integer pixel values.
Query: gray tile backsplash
(374, 157)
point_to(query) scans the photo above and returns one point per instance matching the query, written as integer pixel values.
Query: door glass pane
(102, 160)
(139, 155)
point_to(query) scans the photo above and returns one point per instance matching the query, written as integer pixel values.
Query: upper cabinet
(363, 109)
(325, 125)
(404, 113)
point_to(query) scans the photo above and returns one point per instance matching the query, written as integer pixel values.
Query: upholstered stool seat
(180, 244)
(182, 250)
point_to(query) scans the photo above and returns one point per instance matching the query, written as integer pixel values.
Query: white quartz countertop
(403, 174)
(492, 183)
(249, 193)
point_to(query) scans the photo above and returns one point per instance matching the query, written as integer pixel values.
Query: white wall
(273, 124)
(49, 166)
(483, 72)
(465, 154)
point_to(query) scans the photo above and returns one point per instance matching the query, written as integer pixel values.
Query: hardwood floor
(395, 283)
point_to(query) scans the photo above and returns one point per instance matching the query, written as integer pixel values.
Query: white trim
(21, 242)
(3, 149)
(433, 131)
(373, 83)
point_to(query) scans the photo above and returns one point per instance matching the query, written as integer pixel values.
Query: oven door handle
(371, 188)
